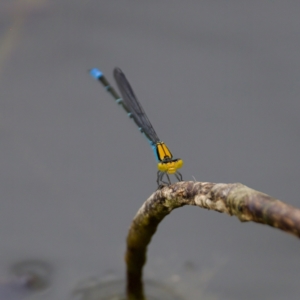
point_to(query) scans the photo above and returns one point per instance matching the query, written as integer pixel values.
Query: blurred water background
(219, 80)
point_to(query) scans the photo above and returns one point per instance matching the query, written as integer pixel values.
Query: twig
(234, 199)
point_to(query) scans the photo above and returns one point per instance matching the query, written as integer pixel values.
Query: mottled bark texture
(234, 199)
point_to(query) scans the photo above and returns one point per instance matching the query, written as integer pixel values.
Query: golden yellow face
(170, 166)
(166, 162)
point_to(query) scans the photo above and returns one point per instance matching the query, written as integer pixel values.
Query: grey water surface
(219, 81)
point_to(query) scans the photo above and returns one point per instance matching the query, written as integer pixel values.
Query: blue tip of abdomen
(96, 73)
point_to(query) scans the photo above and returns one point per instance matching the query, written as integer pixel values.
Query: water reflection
(95, 289)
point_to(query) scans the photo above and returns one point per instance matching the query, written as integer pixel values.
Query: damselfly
(166, 163)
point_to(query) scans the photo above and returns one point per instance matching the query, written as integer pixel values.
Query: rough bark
(233, 199)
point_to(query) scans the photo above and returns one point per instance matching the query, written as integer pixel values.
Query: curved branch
(234, 199)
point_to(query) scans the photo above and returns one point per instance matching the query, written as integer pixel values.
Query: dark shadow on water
(26, 278)
(38, 272)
